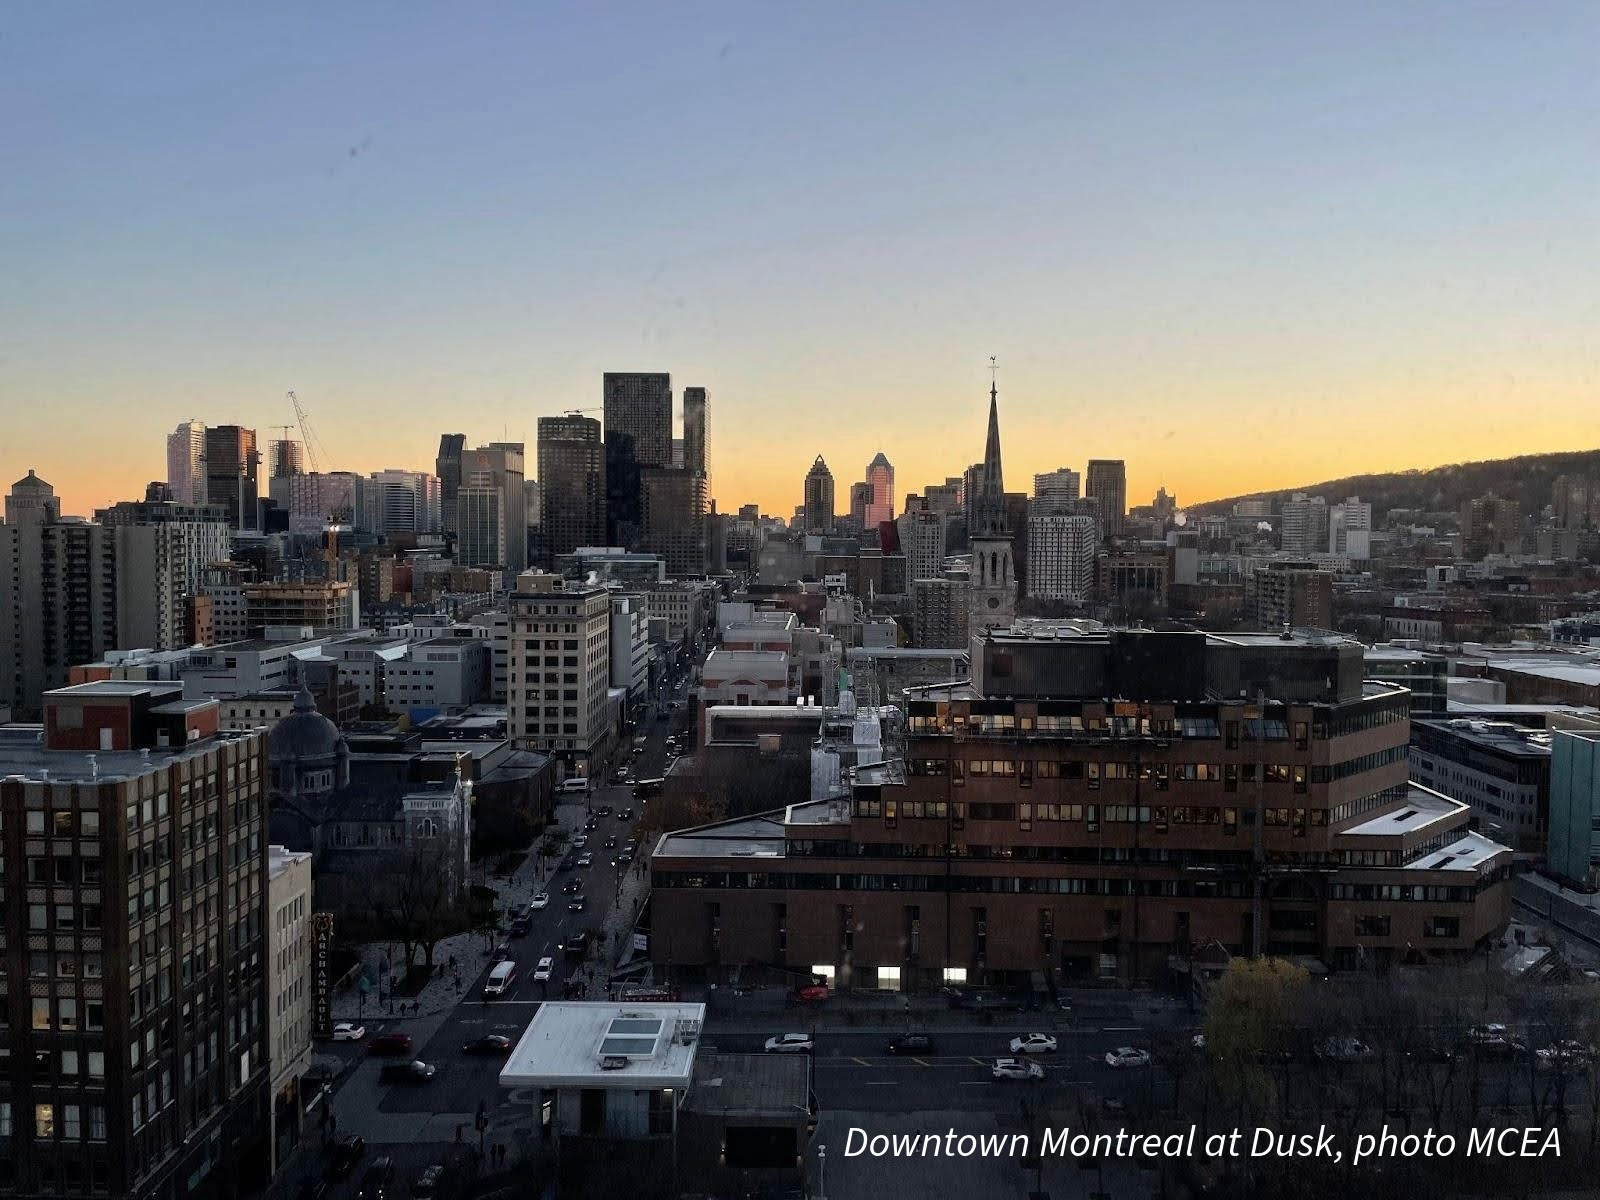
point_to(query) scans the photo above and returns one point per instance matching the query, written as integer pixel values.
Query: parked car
(1016, 1068)
(521, 927)
(377, 1180)
(489, 1043)
(349, 1031)
(500, 953)
(390, 1044)
(540, 902)
(622, 859)
(579, 842)
(1127, 1056)
(1562, 1055)
(344, 1152)
(911, 1043)
(1033, 1043)
(575, 786)
(1343, 1050)
(412, 1071)
(578, 904)
(789, 1043)
(429, 1183)
(576, 946)
(541, 973)
(812, 993)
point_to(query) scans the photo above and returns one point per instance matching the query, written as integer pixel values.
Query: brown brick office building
(133, 1017)
(1098, 803)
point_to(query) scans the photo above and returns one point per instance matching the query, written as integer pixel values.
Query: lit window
(955, 974)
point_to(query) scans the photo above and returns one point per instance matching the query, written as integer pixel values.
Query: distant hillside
(1526, 479)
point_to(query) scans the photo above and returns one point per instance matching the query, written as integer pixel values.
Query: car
(578, 904)
(590, 824)
(542, 972)
(1343, 1050)
(622, 859)
(1016, 1068)
(577, 945)
(411, 1071)
(429, 1183)
(811, 993)
(1127, 1056)
(376, 1180)
(576, 786)
(566, 863)
(585, 861)
(1559, 1055)
(1033, 1043)
(625, 815)
(571, 888)
(540, 902)
(579, 842)
(489, 1043)
(1492, 1032)
(391, 1044)
(789, 1043)
(349, 1031)
(344, 1152)
(620, 776)
(521, 927)
(610, 843)
(603, 811)
(911, 1043)
(500, 953)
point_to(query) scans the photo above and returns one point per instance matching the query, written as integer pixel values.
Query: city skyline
(1228, 274)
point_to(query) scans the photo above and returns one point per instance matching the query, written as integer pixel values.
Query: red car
(391, 1044)
(812, 993)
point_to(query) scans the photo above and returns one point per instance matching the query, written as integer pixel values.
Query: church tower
(993, 584)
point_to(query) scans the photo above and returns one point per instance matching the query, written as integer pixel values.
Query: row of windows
(68, 1122)
(1161, 816)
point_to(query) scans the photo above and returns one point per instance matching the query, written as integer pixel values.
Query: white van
(501, 979)
(577, 783)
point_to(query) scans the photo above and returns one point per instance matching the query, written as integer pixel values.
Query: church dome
(305, 735)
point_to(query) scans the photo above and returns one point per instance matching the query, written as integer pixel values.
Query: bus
(646, 788)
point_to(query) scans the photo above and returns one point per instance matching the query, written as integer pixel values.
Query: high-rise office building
(58, 594)
(1303, 524)
(1055, 491)
(393, 501)
(500, 465)
(638, 417)
(860, 501)
(232, 465)
(186, 454)
(696, 402)
(1061, 555)
(880, 485)
(818, 506)
(1106, 483)
(572, 484)
(136, 1056)
(481, 521)
(557, 693)
(922, 542)
(447, 466)
(674, 517)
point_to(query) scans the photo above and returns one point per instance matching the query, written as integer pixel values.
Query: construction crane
(578, 412)
(306, 435)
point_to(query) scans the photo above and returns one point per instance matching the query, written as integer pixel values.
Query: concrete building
(232, 464)
(321, 607)
(696, 402)
(1061, 556)
(1501, 770)
(1303, 525)
(394, 501)
(137, 1060)
(638, 435)
(612, 564)
(1574, 845)
(439, 675)
(288, 992)
(939, 613)
(922, 536)
(1291, 593)
(747, 677)
(186, 454)
(1490, 525)
(572, 475)
(673, 519)
(1119, 780)
(819, 501)
(160, 570)
(1136, 582)
(1106, 483)
(321, 498)
(58, 596)
(1055, 490)
(630, 647)
(1350, 529)
(560, 671)
(285, 457)
(1420, 672)
(263, 710)
(499, 532)
(482, 530)
(246, 668)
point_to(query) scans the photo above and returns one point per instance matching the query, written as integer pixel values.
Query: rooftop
(752, 1083)
(1468, 854)
(596, 1044)
(22, 752)
(760, 836)
(1502, 737)
(1422, 807)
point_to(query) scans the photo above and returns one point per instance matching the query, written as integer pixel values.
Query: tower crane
(306, 434)
(578, 412)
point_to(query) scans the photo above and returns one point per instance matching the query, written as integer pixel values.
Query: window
(71, 1129)
(35, 821)
(63, 823)
(1372, 926)
(41, 1012)
(44, 1120)
(97, 1064)
(1442, 927)
(888, 979)
(955, 974)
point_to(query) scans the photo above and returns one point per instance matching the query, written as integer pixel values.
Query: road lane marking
(881, 1083)
(924, 1062)
(862, 1061)
(980, 1061)
(973, 1082)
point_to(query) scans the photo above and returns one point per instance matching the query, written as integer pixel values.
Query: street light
(822, 1172)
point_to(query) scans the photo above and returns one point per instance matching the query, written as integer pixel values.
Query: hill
(1526, 479)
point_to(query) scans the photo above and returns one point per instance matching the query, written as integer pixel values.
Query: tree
(415, 902)
(1249, 1028)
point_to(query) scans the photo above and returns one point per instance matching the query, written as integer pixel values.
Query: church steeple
(992, 498)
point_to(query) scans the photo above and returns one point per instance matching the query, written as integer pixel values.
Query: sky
(1241, 245)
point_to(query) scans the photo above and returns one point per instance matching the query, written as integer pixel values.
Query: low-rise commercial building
(1499, 769)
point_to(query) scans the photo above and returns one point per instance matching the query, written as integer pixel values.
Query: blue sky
(1229, 243)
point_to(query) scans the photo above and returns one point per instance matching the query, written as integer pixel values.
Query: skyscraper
(922, 541)
(1106, 482)
(572, 484)
(285, 456)
(819, 498)
(394, 501)
(1303, 524)
(674, 518)
(500, 465)
(1061, 555)
(696, 401)
(1055, 490)
(186, 452)
(638, 415)
(447, 466)
(231, 468)
(481, 518)
(880, 484)
(860, 501)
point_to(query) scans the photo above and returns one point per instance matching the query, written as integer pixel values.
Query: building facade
(186, 452)
(572, 477)
(1087, 807)
(819, 499)
(1500, 770)
(232, 466)
(1106, 483)
(1574, 845)
(288, 991)
(1061, 556)
(560, 671)
(939, 613)
(638, 416)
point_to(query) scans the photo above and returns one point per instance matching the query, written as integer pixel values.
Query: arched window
(427, 827)
(994, 566)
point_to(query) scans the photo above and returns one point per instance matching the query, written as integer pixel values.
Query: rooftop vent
(1405, 816)
(613, 1062)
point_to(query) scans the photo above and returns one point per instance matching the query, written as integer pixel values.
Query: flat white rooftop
(1468, 854)
(1422, 807)
(607, 1045)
